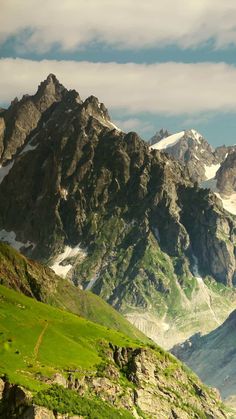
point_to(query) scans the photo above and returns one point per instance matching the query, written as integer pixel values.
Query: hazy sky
(154, 64)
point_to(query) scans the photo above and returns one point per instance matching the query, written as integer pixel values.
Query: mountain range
(114, 216)
(101, 216)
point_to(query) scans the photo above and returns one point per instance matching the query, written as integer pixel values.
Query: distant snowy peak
(211, 169)
(174, 139)
(168, 141)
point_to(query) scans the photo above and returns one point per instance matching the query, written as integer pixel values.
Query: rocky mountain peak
(49, 91)
(94, 107)
(163, 133)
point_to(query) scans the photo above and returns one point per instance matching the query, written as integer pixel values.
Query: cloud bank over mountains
(124, 24)
(168, 88)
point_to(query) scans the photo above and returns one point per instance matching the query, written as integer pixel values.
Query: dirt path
(39, 341)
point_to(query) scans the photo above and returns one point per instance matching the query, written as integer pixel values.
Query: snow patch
(196, 135)
(114, 126)
(4, 170)
(27, 148)
(168, 141)
(91, 282)
(69, 252)
(107, 123)
(174, 139)
(10, 238)
(229, 203)
(210, 171)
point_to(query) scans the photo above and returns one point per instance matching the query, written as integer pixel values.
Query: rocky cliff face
(118, 218)
(23, 117)
(226, 175)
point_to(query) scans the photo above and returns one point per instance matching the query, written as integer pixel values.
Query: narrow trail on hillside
(39, 341)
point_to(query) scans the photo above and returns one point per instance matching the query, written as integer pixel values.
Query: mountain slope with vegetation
(71, 365)
(40, 282)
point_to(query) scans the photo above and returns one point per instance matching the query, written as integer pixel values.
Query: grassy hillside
(40, 282)
(38, 341)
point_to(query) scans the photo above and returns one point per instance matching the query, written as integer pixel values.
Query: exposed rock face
(134, 210)
(226, 175)
(157, 386)
(22, 117)
(212, 356)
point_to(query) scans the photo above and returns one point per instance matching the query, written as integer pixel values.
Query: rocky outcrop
(17, 403)
(226, 175)
(156, 385)
(19, 121)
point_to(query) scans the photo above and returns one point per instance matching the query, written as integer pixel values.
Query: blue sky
(154, 65)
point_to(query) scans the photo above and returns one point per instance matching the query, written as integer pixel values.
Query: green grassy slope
(39, 339)
(40, 282)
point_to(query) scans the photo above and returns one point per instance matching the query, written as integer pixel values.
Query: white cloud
(135, 124)
(123, 23)
(169, 88)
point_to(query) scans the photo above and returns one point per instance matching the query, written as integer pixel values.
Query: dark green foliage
(67, 401)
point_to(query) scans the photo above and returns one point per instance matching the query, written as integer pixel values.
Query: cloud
(124, 24)
(135, 124)
(166, 88)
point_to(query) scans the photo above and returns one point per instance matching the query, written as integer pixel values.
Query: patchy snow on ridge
(196, 135)
(210, 171)
(10, 238)
(28, 147)
(4, 170)
(229, 203)
(168, 141)
(174, 139)
(69, 252)
(114, 126)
